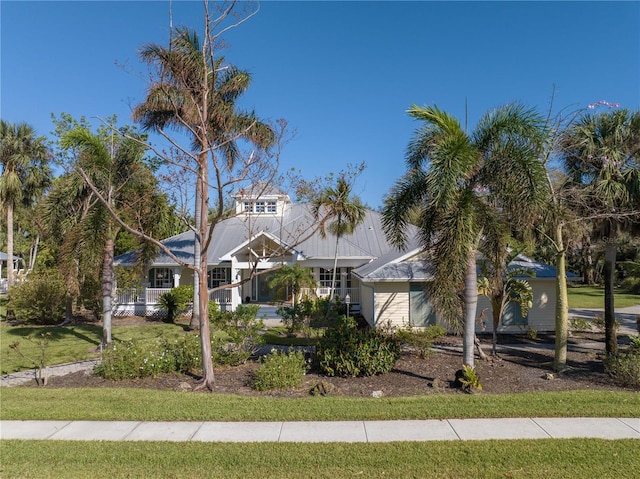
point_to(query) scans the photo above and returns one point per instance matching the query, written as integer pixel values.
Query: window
(326, 276)
(160, 278)
(259, 208)
(247, 206)
(271, 207)
(218, 277)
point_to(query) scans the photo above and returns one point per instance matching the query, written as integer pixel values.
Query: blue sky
(342, 74)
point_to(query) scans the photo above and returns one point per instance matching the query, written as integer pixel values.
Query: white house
(269, 230)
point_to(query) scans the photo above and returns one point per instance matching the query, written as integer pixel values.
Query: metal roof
(295, 229)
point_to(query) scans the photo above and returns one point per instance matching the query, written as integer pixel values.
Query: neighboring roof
(296, 223)
(5, 256)
(405, 266)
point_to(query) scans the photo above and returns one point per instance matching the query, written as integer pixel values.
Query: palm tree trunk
(107, 290)
(562, 305)
(611, 339)
(10, 277)
(471, 305)
(335, 271)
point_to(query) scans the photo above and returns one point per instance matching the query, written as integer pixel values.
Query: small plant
(241, 330)
(598, 323)
(421, 339)
(347, 351)
(280, 370)
(296, 317)
(624, 366)
(579, 324)
(531, 333)
(469, 378)
(176, 301)
(39, 362)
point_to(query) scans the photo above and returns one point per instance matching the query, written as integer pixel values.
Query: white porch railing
(324, 292)
(144, 301)
(220, 296)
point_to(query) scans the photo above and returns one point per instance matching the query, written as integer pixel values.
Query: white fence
(325, 292)
(144, 301)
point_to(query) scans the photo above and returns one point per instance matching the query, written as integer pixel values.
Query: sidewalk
(329, 431)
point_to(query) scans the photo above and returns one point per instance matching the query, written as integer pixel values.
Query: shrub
(139, 359)
(280, 370)
(468, 378)
(421, 339)
(241, 330)
(624, 366)
(39, 299)
(176, 301)
(295, 317)
(598, 323)
(346, 351)
(631, 284)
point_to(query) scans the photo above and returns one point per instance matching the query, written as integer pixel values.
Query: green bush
(39, 299)
(139, 359)
(346, 351)
(241, 330)
(624, 366)
(176, 301)
(280, 370)
(421, 339)
(296, 317)
(631, 284)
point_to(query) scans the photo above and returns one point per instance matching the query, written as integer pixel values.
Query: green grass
(591, 297)
(162, 405)
(545, 458)
(68, 343)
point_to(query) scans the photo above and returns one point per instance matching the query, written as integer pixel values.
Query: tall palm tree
(465, 185)
(342, 212)
(602, 156)
(25, 174)
(197, 93)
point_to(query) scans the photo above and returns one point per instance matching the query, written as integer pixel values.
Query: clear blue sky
(342, 74)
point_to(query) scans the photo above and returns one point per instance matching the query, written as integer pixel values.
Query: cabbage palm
(465, 186)
(602, 156)
(25, 174)
(343, 214)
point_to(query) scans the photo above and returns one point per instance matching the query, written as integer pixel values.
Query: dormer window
(260, 207)
(271, 207)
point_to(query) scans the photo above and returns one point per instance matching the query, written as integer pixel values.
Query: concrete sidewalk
(329, 431)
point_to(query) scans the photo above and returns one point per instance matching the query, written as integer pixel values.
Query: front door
(421, 310)
(266, 293)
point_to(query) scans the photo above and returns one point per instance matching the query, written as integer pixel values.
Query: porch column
(236, 293)
(176, 277)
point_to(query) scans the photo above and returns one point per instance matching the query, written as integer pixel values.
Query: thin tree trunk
(471, 305)
(335, 271)
(205, 330)
(562, 305)
(611, 339)
(10, 277)
(481, 353)
(194, 323)
(107, 291)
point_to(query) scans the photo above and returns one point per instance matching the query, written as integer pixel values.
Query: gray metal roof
(294, 229)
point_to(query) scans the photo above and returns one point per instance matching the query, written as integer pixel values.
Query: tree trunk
(205, 330)
(107, 291)
(471, 305)
(194, 323)
(10, 277)
(562, 305)
(335, 271)
(611, 339)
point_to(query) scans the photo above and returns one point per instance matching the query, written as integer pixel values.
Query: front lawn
(592, 297)
(543, 458)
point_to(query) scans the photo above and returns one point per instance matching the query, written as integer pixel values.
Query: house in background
(393, 293)
(384, 285)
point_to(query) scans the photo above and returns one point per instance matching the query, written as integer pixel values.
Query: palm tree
(197, 94)
(25, 174)
(292, 279)
(187, 80)
(602, 156)
(343, 213)
(465, 186)
(112, 179)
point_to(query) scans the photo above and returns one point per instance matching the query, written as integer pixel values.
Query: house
(268, 230)
(393, 293)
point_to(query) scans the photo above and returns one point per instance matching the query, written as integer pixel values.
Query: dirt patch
(521, 367)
